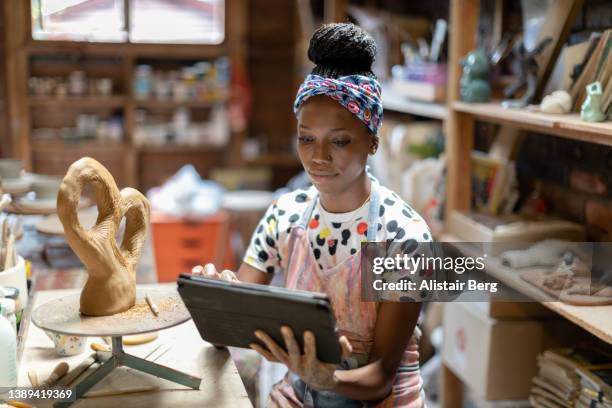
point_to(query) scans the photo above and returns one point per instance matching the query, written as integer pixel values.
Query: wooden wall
(271, 65)
(4, 136)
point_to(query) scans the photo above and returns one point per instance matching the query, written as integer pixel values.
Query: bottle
(8, 311)
(142, 82)
(8, 353)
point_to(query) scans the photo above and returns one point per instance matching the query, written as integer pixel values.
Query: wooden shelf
(569, 126)
(276, 159)
(178, 148)
(86, 102)
(159, 104)
(392, 101)
(165, 51)
(594, 319)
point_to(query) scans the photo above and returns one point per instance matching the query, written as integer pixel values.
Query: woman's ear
(373, 144)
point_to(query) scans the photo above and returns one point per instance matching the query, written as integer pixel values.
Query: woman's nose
(321, 153)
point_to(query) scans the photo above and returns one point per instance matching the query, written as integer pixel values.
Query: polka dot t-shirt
(333, 236)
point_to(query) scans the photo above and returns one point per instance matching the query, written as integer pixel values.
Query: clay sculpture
(591, 110)
(111, 285)
(525, 70)
(474, 83)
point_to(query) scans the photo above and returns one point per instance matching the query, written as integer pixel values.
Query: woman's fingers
(346, 347)
(310, 348)
(211, 272)
(263, 352)
(197, 270)
(274, 348)
(295, 355)
(229, 276)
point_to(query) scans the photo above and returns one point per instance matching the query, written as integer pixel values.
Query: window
(151, 21)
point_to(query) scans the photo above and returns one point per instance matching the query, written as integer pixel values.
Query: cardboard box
(496, 358)
(417, 90)
(497, 234)
(514, 310)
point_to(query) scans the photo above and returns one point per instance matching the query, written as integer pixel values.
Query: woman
(314, 238)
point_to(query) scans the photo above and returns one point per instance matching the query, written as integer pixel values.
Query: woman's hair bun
(342, 49)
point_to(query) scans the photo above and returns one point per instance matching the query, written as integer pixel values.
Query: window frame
(185, 50)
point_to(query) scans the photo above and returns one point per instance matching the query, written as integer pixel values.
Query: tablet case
(228, 313)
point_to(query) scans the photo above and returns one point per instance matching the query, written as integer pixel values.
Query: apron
(355, 319)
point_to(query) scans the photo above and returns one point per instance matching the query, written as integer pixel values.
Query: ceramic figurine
(525, 69)
(111, 285)
(474, 83)
(591, 110)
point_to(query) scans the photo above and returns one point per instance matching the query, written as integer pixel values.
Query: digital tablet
(228, 313)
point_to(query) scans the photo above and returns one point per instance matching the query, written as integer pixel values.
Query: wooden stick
(99, 347)
(18, 404)
(78, 370)
(152, 305)
(122, 391)
(58, 372)
(33, 378)
(139, 339)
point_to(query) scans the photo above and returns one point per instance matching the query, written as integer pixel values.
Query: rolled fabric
(359, 94)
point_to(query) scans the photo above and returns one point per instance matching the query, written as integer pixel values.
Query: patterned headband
(359, 94)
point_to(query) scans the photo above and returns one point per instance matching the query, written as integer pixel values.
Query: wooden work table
(221, 385)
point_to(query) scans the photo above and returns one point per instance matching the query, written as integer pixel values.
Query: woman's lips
(321, 177)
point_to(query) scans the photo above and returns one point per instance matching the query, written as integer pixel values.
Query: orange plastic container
(180, 243)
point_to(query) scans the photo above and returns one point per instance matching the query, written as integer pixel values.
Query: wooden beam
(464, 16)
(334, 11)
(16, 19)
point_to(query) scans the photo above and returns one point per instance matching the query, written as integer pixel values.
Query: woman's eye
(304, 139)
(341, 143)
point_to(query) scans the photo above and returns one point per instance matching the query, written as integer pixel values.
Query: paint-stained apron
(355, 319)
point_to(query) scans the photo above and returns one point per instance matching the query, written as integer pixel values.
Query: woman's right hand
(209, 271)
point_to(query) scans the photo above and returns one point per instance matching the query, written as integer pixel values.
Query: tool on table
(99, 347)
(58, 372)
(152, 305)
(17, 404)
(33, 377)
(139, 339)
(78, 370)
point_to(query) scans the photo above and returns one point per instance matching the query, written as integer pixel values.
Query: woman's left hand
(307, 366)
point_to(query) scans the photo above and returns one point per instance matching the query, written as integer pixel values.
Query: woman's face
(333, 144)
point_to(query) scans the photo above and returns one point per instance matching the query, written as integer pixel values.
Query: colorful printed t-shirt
(333, 237)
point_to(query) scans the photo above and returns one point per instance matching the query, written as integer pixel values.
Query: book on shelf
(573, 377)
(595, 67)
(597, 379)
(490, 179)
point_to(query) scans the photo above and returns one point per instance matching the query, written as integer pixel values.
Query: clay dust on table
(142, 310)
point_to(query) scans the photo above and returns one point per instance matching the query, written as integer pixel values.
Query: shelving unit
(460, 122)
(569, 126)
(594, 319)
(397, 103)
(115, 101)
(125, 160)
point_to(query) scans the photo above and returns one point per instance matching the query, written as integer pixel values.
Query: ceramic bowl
(10, 168)
(45, 187)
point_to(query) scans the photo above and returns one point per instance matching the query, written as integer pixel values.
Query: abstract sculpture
(525, 69)
(111, 285)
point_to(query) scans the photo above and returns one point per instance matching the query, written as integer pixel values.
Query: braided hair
(341, 49)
